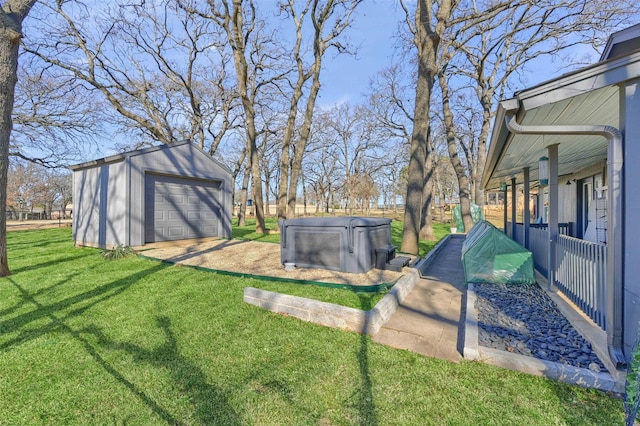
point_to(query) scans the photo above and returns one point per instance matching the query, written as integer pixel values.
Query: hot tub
(346, 244)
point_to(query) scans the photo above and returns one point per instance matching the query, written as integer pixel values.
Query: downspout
(614, 323)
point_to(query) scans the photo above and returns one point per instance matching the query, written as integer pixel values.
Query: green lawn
(84, 340)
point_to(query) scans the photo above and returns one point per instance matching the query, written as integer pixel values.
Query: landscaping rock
(525, 320)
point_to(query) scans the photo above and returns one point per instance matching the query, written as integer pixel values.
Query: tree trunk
(304, 195)
(11, 16)
(427, 43)
(482, 150)
(458, 167)
(256, 186)
(301, 146)
(234, 27)
(244, 191)
(438, 185)
(426, 227)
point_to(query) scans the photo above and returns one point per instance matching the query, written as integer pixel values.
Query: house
(162, 193)
(583, 228)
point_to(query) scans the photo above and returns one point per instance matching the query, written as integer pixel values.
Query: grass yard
(84, 340)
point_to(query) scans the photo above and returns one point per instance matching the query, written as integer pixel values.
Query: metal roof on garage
(121, 156)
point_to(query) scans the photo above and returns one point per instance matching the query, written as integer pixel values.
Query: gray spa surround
(346, 244)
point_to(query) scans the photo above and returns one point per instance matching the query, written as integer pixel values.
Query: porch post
(552, 229)
(617, 253)
(527, 214)
(504, 207)
(514, 197)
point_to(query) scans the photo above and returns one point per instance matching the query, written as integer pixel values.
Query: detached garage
(163, 193)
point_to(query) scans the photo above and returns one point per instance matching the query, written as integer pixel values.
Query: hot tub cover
(351, 221)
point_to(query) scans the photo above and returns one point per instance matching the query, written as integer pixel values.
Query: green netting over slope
(476, 215)
(490, 256)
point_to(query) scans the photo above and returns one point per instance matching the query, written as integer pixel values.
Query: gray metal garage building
(162, 193)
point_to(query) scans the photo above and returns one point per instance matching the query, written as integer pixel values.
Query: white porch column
(527, 214)
(552, 229)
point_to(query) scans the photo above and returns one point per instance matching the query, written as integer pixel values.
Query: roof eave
(602, 74)
(498, 139)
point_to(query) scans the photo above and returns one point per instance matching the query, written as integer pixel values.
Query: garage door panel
(175, 231)
(175, 199)
(174, 215)
(207, 215)
(211, 229)
(179, 208)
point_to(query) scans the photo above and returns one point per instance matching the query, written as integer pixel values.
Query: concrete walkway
(430, 321)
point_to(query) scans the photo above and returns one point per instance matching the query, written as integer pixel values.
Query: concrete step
(397, 263)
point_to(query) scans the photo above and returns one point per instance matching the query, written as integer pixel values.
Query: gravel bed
(255, 258)
(523, 319)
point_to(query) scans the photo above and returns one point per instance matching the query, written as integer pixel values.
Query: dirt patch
(255, 258)
(26, 225)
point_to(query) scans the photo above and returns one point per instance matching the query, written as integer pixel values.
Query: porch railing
(563, 228)
(538, 245)
(580, 266)
(581, 275)
(538, 238)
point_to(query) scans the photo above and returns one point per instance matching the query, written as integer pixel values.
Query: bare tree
(33, 186)
(361, 152)
(427, 27)
(246, 35)
(321, 168)
(55, 118)
(160, 66)
(12, 14)
(21, 188)
(329, 21)
(391, 109)
(62, 185)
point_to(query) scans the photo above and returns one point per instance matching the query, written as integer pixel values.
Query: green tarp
(490, 256)
(476, 215)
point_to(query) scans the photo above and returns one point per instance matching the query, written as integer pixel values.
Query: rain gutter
(614, 291)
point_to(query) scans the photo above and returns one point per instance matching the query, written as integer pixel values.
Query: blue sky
(374, 33)
(346, 77)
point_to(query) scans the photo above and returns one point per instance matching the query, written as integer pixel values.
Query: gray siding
(568, 201)
(99, 216)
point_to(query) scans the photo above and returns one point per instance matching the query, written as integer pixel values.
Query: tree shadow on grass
(26, 298)
(363, 393)
(210, 403)
(64, 309)
(53, 262)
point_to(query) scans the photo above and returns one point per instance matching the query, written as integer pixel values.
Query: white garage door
(180, 208)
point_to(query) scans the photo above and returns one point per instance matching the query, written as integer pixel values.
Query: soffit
(597, 107)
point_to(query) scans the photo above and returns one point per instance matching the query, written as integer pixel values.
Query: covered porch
(563, 153)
